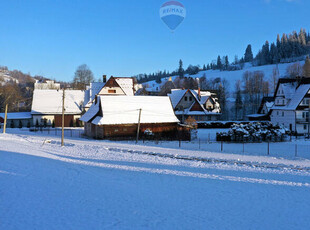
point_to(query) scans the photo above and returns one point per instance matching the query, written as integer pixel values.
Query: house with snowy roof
(17, 119)
(110, 117)
(115, 86)
(47, 107)
(200, 105)
(291, 107)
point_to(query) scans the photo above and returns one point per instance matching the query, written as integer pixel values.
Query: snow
(90, 184)
(50, 101)
(125, 110)
(18, 115)
(232, 76)
(296, 98)
(126, 84)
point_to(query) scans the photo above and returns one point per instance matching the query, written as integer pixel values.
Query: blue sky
(123, 38)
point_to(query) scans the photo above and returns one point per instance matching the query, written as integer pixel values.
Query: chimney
(104, 78)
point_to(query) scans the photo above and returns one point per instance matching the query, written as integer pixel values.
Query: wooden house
(110, 117)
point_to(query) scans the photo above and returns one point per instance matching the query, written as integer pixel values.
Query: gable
(196, 107)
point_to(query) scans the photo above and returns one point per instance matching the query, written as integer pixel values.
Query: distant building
(200, 105)
(47, 106)
(110, 117)
(23, 118)
(46, 85)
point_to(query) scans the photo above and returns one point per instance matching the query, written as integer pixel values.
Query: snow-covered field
(89, 184)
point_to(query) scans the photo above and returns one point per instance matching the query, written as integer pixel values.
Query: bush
(12, 124)
(20, 125)
(254, 132)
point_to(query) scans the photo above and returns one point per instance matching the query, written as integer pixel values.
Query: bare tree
(294, 70)
(275, 78)
(306, 68)
(82, 76)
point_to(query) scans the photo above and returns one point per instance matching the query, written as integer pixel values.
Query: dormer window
(185, 98)
(111, 91)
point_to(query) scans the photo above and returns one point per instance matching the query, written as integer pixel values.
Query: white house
(115, 86)
(200, 105)
(47, 106)
(291, 107)
(49, 84)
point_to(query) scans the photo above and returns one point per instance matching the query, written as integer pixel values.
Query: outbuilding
(111, 117)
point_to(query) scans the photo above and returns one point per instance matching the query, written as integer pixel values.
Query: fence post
(208, 138)
(296, 150)
(221, 146)
(268, 149)
(199, 142)
(71, 132)
(179, 143)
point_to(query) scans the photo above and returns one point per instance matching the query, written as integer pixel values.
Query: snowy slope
(231, 76)
(108, 185)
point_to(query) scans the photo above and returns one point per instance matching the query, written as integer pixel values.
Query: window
(277, 113)
(305, 127)
(190, 98)
(185, 98)
(111, 91)
(282, 114)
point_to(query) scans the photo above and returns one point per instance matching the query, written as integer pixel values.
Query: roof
(17, 116)
(177, 94)
(125, 110)
(126, 84)
(296, 98)
(50, 101)
(90, 94)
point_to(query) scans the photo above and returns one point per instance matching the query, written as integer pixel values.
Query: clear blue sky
(123, 38)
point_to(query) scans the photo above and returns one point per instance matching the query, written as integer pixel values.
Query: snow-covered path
(106, 185)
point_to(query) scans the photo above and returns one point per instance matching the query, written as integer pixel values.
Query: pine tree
(248, 56)
(204, 67)
(219, 64)
(181, 70)
(226, 62)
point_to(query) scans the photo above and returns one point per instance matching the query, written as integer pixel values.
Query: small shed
(111, 117)
(15, 120)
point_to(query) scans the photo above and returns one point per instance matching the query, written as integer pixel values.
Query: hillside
(230, 76)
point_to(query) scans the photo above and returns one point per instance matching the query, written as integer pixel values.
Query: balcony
(302, 120)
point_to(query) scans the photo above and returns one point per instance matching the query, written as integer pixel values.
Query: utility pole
(138, 130)
(5, 117)
(63, 118)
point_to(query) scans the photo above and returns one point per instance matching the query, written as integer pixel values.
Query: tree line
(287, 48)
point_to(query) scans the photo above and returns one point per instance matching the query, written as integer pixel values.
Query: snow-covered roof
(297, 97)
(126, 84)
(50, 101)
(176, 95)
(125, 110)
(91, 92)
(17, 116)
(289, 89)
(93, 110)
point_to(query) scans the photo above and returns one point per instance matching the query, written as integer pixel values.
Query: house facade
(111, 117)
(47, 107)
(291, 107)
(200, 105)
(115, 86)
